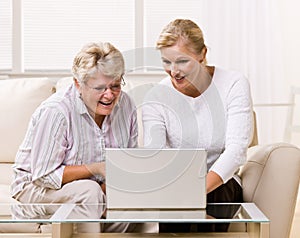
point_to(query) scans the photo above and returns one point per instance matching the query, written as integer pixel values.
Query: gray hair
(98, 57)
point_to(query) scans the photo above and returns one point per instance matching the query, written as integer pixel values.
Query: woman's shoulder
(233, 75)
(228, 78)
(162, 91)
(166, 81)
(60, 103)
(126, 100)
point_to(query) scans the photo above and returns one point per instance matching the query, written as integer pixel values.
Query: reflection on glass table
(57, 212)
(62, 217)
(245, 212)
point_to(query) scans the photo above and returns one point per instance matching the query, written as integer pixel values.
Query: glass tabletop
(74, 213)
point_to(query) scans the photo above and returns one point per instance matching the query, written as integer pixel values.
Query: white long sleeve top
(220, 120)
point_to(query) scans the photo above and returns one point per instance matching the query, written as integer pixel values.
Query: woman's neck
(202, 82)
(99, 119)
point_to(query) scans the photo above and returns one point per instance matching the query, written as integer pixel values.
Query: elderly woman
(200, 106)
(61, 159)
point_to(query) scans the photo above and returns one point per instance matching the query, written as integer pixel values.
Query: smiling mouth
(179, 78)
(105, 103)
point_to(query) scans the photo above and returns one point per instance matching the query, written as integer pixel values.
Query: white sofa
(18, 100)
(270, 177)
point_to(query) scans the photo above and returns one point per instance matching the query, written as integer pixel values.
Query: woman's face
(100, 94)
(184, 67)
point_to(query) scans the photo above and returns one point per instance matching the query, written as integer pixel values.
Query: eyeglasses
(116, 87)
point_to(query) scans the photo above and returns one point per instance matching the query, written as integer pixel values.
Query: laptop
(139, 178)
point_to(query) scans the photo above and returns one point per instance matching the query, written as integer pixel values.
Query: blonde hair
(98, 57)
(183, 30)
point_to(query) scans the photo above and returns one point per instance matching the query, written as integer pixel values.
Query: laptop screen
(151, 178)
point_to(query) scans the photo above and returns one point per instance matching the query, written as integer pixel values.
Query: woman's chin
(104, 112)
(180, 84)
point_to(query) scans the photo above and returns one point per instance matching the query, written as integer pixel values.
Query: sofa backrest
(18, 100)
(137, 89)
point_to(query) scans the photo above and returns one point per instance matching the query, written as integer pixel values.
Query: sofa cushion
(6, 175)
(5, 196)
(18, 100)
(63, 83)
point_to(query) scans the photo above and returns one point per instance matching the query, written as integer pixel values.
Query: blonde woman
(199, 106)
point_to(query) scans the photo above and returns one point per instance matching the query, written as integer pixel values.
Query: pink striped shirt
(61, 132)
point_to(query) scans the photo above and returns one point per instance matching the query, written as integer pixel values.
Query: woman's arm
(47, 139)
(239, 129)
(75, 172)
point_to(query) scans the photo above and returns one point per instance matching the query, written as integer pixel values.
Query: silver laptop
(156, 179)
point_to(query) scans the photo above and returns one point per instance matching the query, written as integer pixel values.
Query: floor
(295, 232)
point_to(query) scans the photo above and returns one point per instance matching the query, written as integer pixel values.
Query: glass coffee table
(63, 216)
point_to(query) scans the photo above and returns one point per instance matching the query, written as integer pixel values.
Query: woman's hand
(213, 180)
(97, 168)
(75, 172)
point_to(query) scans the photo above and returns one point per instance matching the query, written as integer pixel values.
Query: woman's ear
(77, 84)
(203, 55)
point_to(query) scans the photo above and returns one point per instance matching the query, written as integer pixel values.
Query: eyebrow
(112, 83)
(179, 58)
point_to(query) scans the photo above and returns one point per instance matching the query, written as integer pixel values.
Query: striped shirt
(61, 132)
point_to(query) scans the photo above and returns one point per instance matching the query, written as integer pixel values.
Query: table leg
(258, 230)
(62, 230)
(264, 230)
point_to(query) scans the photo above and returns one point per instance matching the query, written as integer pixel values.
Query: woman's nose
(108, 93)
(174, 69)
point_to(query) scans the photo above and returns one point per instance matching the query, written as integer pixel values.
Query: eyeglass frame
(101, 90)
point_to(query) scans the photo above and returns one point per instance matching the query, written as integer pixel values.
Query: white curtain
(247, 36)
(5, 34)
(55, 30)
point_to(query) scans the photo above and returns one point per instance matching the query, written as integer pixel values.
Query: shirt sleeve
(239, 129)
(154, 129)
(49, 145)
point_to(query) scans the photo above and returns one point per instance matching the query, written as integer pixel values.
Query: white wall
(291, 38)
(272, 119)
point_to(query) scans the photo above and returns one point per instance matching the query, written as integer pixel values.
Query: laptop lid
(156, 179)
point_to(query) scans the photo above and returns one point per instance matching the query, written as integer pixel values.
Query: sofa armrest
(270, 179)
